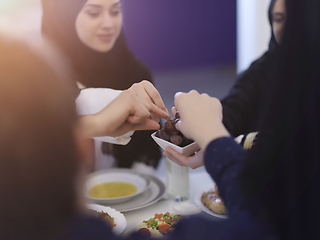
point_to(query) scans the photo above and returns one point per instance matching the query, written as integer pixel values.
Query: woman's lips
(105, 37)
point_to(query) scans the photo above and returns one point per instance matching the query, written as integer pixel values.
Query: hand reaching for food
(127, 112)
(146, 91)
(200, 117)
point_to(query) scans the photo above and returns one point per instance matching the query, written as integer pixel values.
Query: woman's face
(279, 17)
(99, 23)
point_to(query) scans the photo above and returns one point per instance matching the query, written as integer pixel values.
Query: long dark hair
(282, 174)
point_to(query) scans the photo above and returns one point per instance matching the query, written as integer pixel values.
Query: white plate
(186, 151)
(198, 202)
(110, 175)
(119, 219)
(154, 193)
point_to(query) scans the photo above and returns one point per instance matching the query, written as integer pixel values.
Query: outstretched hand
(200, 117)
(149, 93)
(128, 112)
(138, 108)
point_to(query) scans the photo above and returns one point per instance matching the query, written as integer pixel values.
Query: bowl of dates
(170, 136)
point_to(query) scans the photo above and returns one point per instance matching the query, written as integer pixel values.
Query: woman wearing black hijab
(277, 182)
(112, 67)
(243, 105)
(271, 192)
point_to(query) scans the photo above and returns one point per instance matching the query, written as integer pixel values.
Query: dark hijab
(282, 175)
(116, 69)
(244, 102)
(273, 44)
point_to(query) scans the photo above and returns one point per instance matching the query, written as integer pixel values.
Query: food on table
(104, 216)
(213, 201)
(160, 225)
(171, 134)
(112, 190)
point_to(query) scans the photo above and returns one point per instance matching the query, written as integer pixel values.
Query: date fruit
(171, 134)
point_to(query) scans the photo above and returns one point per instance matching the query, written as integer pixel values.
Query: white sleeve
(93, 100)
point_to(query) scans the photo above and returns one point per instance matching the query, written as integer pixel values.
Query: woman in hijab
(278, 181)
(244, 106)
(246, 99)
(271, 192)
(89, 33)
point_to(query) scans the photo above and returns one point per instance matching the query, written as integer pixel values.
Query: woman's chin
(102, 47)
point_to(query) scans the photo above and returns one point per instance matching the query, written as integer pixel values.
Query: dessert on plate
(213, 201)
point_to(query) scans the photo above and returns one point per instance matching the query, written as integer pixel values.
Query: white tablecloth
(198, 180)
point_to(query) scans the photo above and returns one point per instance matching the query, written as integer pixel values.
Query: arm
(241, 107)
(128, 110)
(125, 113)
(201, 120)
(224, 160)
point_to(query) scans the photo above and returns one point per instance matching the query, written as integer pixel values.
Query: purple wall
(168, 34)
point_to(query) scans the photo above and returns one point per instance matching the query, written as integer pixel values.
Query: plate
(198, 202)
(119, 219)
(142, 183)
(152, 195)
(186, 151)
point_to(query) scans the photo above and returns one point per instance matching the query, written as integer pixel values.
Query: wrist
(209, 135)
(91, 126)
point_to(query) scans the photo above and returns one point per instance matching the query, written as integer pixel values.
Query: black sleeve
(242, 105)
(141, 148)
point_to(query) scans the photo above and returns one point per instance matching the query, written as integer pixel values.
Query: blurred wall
(21, 18)
(164, 34)
(254, 31)
(167, 34)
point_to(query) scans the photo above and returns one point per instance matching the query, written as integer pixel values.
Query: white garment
(93, 100)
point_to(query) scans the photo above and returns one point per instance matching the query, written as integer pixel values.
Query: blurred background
(186, 44)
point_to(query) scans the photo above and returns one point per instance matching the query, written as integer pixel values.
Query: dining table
(198, 180)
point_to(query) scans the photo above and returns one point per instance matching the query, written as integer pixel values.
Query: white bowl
(111, 175)
(186, 151)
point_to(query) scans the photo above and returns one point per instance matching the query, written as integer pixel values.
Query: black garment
(116, 69)
(243, 106)
(285, 165)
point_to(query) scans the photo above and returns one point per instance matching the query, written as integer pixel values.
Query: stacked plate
(149, 189)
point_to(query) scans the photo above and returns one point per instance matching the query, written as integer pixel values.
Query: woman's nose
(107, 21)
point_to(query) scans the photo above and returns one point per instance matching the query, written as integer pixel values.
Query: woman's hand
(200, 117)
(149, 93)
(193, 162)
(125, 113)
